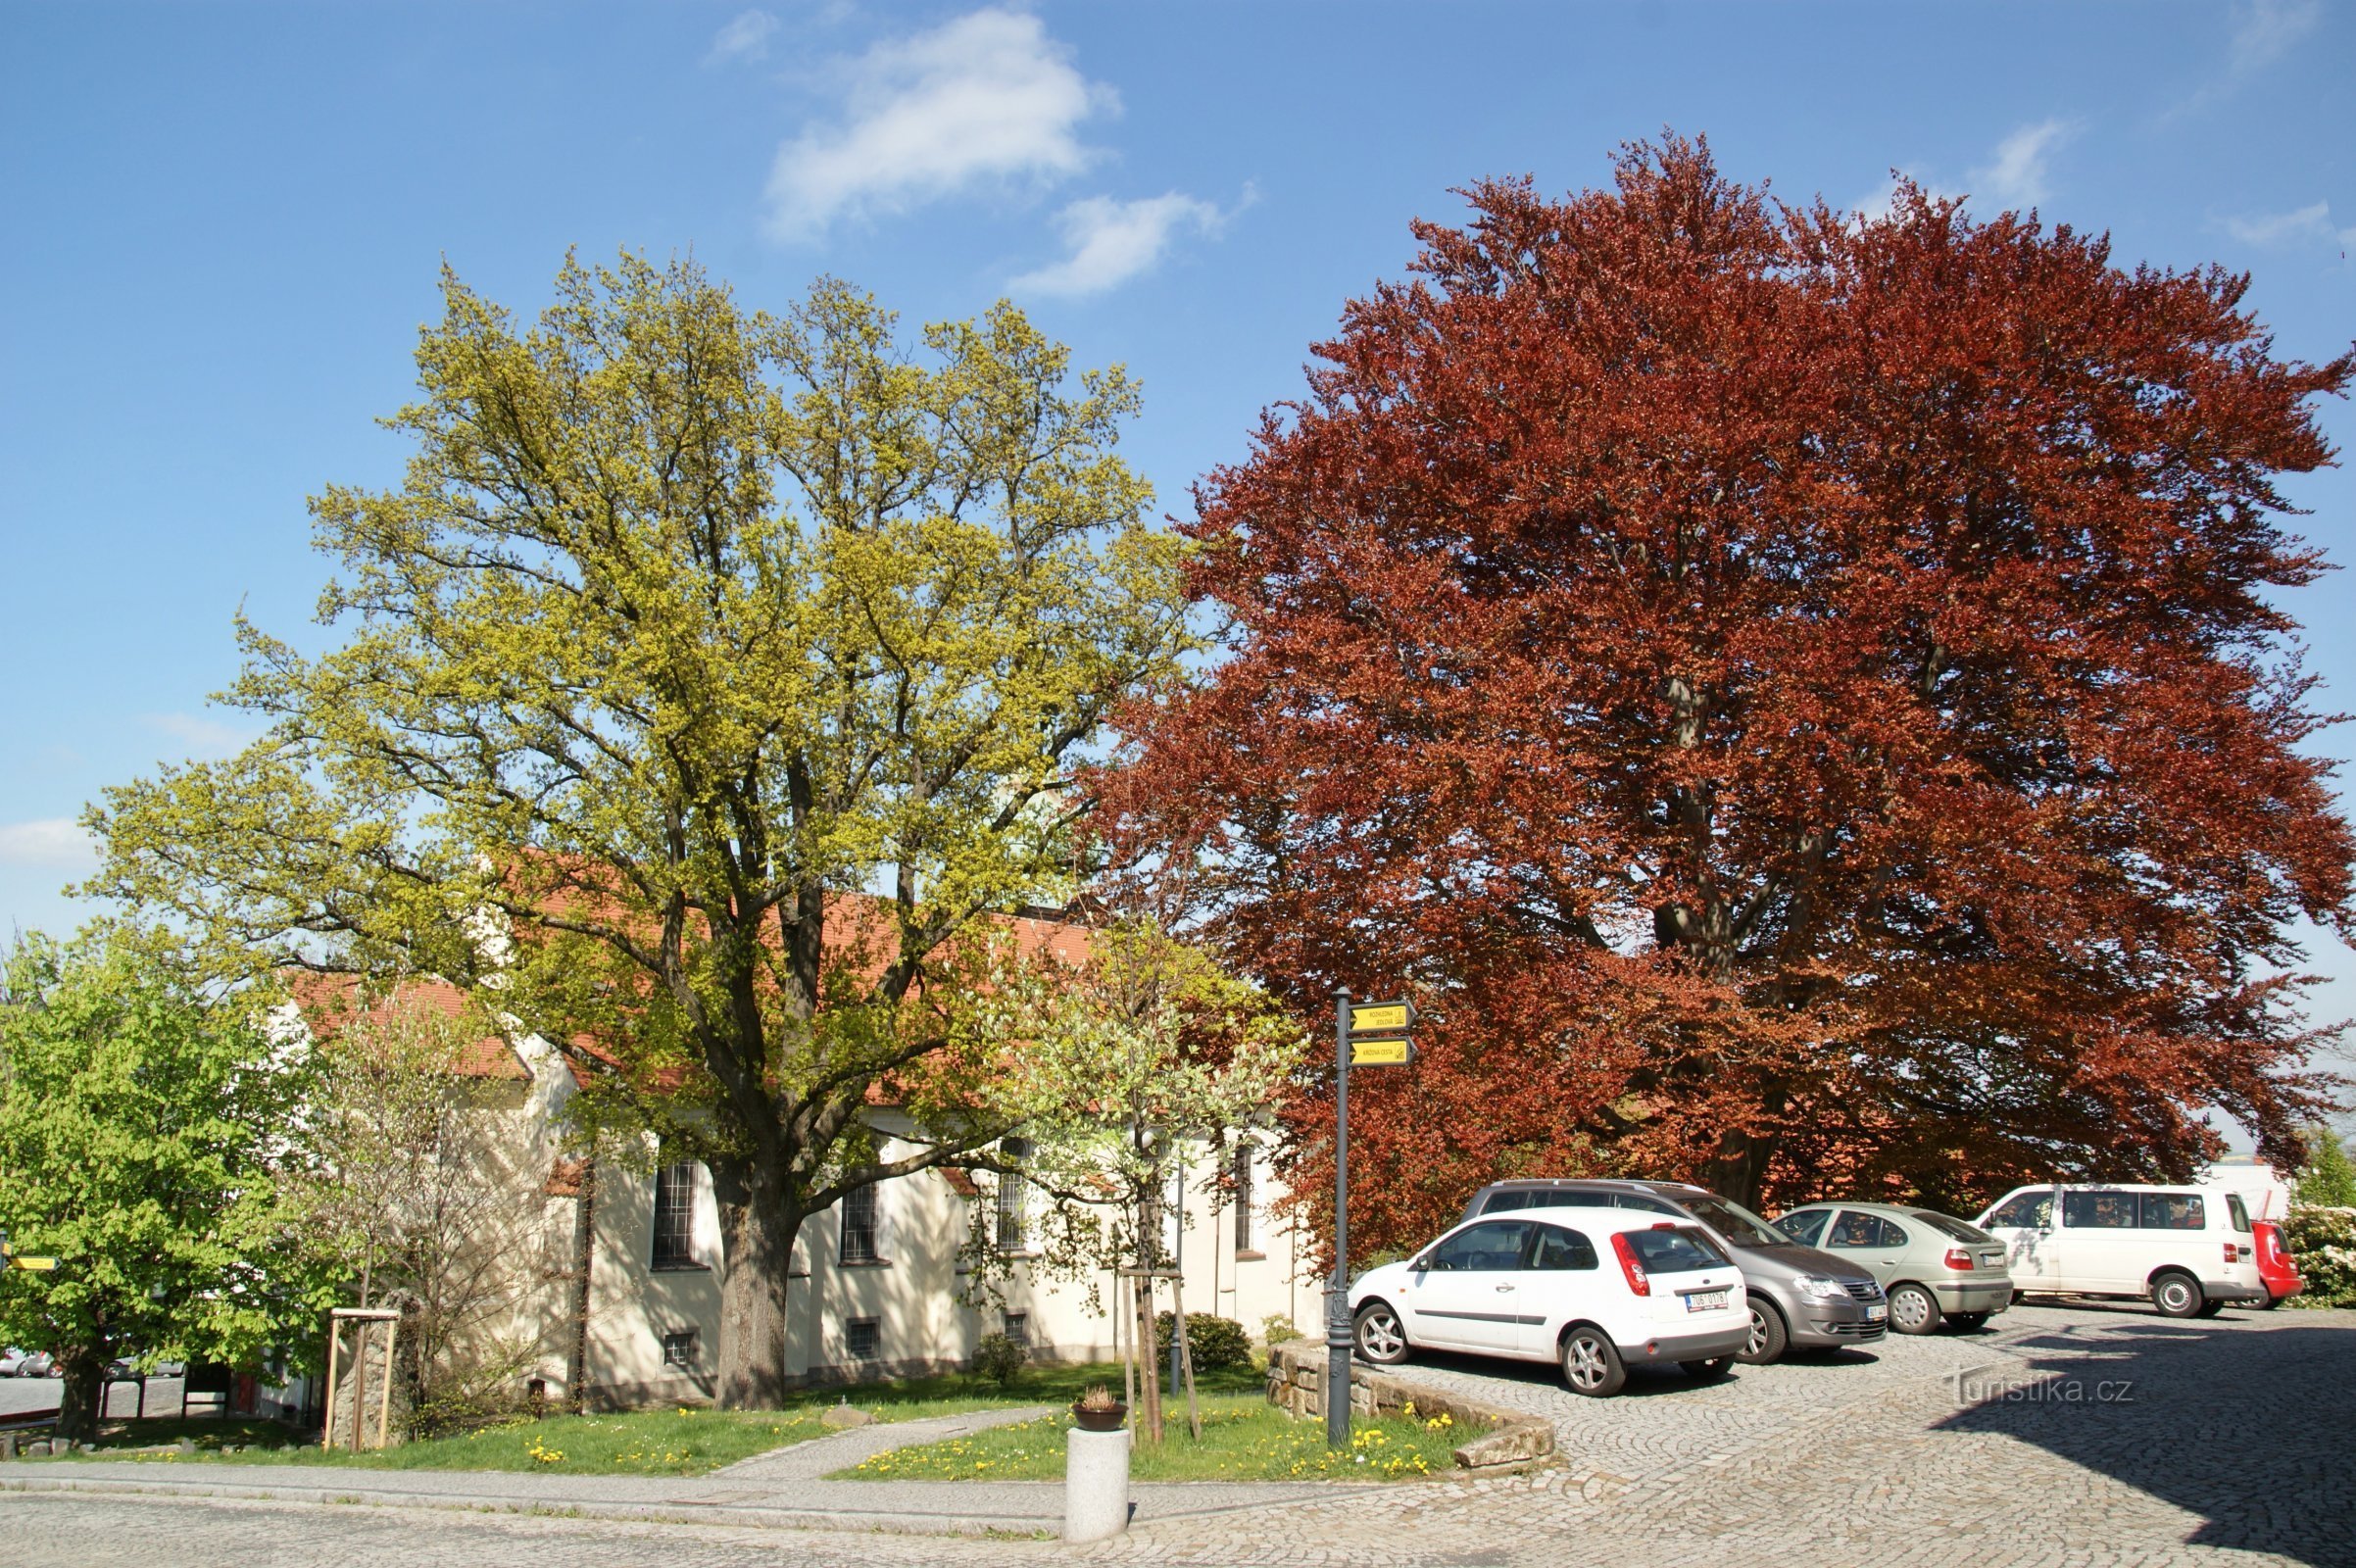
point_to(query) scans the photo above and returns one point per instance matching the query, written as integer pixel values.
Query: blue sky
(225, 223)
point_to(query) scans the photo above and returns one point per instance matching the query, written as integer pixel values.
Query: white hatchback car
(1596, 1291)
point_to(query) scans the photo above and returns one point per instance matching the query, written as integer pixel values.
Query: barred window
(858, 1226)
(676, 1215)
(1018, 1327)
(863, 1339)
(1014, 1199)
(1247, 1237)
(679, 1350)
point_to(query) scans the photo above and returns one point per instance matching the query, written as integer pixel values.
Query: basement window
(863, 1339)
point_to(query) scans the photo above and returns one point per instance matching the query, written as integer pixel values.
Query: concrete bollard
(1096, 1484)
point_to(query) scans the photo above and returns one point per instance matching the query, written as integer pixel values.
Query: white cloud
(2265, 31)
(52, 842)
(204, 737)
(986, 99)
(2017, 177)
(2273, 228)
(1110, 242)
(745, 37)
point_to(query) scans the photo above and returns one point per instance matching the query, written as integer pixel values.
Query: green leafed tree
(2328, 1177)
(141, 1125)
(715, 678)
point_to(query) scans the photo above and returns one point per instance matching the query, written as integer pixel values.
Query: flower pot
(1110, 1420)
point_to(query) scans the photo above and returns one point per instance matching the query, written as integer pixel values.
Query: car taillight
(1629, 1265)
(1959, 1260)
(2232, 1254)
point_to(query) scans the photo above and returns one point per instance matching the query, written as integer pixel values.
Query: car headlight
(1821, 1288)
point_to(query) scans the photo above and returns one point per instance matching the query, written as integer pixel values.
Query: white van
(2188, 1249)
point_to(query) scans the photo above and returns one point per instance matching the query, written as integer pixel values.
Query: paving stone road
(2061, 1436)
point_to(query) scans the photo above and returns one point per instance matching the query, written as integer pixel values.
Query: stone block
(845, 1416)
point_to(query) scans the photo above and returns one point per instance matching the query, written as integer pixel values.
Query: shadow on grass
(952, 1392)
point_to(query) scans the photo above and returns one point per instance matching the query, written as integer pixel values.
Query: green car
(1936, 1268)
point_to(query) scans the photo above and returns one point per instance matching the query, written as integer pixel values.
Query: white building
(875, 1288)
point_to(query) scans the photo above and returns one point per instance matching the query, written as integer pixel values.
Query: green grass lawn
(640, 1442)
(675, 1442)
(1243, 1440)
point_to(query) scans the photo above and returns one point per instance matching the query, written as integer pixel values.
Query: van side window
(2098, 1212)
(2174, 1212)
(2238, 1211)
(1649, 1205)
(2032, 1210)
(1500, 1202)
(1559, 1249)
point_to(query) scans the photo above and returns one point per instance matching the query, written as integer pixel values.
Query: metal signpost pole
(1337, 1298)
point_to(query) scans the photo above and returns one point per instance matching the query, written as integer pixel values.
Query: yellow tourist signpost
(1367, 1034)
(10, 1257)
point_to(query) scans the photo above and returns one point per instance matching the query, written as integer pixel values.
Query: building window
(863, 1339)
(679, 1350)
(1014, 1199)
(1018, 1327)
(675, 1216)
(859, 1225)
(1247, 1238)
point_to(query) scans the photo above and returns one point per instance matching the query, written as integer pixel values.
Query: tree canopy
(712, 683)
(1806, 695)
(141, 1130)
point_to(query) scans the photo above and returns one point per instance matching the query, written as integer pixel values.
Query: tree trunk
(757, 1241)
(1739, 1168)
(584, 1264)
(79, 1399)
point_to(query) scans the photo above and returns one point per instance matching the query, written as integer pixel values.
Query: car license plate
(1875, 1313)
(1704, 1301)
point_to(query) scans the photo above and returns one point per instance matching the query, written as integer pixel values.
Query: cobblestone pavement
(2062, 1435)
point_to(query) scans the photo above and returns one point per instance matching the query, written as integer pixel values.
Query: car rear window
(1680, 1251)
(1948, 1225)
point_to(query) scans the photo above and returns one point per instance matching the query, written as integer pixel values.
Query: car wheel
(1591, 1363)
(2210, 1308)
(1709, 1371)
(1969, 1322)
(1382, 1338)
(2177, 1294)
(2268, 1304)
(1913, 1311)
(1768, 1336)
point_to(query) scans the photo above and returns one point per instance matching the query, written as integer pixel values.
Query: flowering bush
(2323, 1243)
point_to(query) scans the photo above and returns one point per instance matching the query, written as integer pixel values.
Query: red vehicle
(2275, 1269)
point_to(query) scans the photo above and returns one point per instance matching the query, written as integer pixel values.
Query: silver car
(1937, 1268)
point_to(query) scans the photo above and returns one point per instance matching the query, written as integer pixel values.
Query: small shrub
(1001, 1359)
(1218, 1342)
(2323, 1243)
(1098, 1396)
(1276, 1329)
